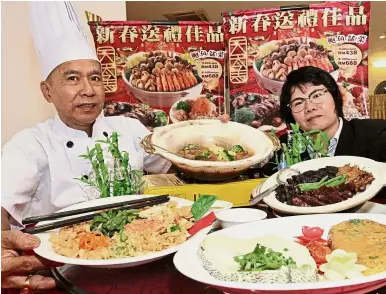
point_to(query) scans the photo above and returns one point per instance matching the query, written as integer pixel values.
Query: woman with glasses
(311, 97)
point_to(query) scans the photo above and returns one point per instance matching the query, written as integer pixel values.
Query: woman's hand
(16, 268)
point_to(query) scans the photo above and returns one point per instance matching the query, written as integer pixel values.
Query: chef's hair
(301, 77)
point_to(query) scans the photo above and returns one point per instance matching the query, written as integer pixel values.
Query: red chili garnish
(202, 223)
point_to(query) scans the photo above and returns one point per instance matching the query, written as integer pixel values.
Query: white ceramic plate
(187, 262)
(376, 168)
(45, 249)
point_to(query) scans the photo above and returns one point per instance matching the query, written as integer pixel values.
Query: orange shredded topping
(201, 106)
(92, 240)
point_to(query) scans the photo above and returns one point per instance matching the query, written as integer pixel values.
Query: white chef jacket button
(70, 144)
(105, 134)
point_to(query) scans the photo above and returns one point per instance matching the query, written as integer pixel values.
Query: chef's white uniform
(39, 165)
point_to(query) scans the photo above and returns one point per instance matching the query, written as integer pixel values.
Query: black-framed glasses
(317, 97)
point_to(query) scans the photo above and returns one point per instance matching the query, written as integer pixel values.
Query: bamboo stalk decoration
(315, 140)
(121, 180)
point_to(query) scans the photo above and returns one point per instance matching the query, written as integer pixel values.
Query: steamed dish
(354, 249)
(324, 186)
(267, 259)
(214, 152)
(161, 71)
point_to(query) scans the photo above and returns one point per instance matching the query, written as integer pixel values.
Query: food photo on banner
(161, 72)
(265, 45)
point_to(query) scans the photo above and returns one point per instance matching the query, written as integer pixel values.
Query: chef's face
(318, 113)
(76, 90)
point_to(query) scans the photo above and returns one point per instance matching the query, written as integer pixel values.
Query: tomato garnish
(318, 251)
(312, 233)
(316, 245)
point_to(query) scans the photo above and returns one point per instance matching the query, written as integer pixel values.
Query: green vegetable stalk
(315, 140)
(263, 258)
(334, 182)
(104, 174)
(121, 180)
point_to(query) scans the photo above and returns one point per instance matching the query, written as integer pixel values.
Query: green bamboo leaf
(294, 127)
(317, 145)
(313, 132)
(324, 137)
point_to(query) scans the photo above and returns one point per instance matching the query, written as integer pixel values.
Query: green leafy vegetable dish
(214, 152)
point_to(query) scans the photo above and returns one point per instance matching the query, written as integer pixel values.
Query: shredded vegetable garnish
(92, 241)
(263, 258)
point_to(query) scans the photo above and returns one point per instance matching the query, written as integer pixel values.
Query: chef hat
(58, 35)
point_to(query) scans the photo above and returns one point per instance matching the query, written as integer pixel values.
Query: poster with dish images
(161, 72)
(264, 46)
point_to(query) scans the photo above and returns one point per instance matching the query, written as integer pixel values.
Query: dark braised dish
(324, 186)
(149, 117)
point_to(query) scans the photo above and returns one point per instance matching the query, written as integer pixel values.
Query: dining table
(158, 277)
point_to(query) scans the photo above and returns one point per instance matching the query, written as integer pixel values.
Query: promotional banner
(264, 46)
(161, 73)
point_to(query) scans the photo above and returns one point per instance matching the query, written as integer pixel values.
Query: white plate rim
(45, 249)
(193, 246)
(360, 198)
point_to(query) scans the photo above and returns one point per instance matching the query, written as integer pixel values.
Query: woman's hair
(308, 75)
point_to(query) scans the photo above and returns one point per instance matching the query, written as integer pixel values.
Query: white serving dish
(187, 262)
(376, 168)
(45, 249)
(174, 137)
(236, 216)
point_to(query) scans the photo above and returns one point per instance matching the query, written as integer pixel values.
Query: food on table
(213, 152)
(147, 116)
(160, 71)
(127, 233)
(354, 99)
(261, 259)
(255, 110)
(364, 237)
(355, 248)
(290, 54)
(341, 265)
(200, 108)
(324, 186)
(267, 259)
(316, 245)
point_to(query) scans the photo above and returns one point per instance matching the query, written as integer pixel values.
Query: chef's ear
(45, 88)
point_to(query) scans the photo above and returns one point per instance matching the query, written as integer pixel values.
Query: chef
(40, 164)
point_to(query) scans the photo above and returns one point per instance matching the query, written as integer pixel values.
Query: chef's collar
(68, 132)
